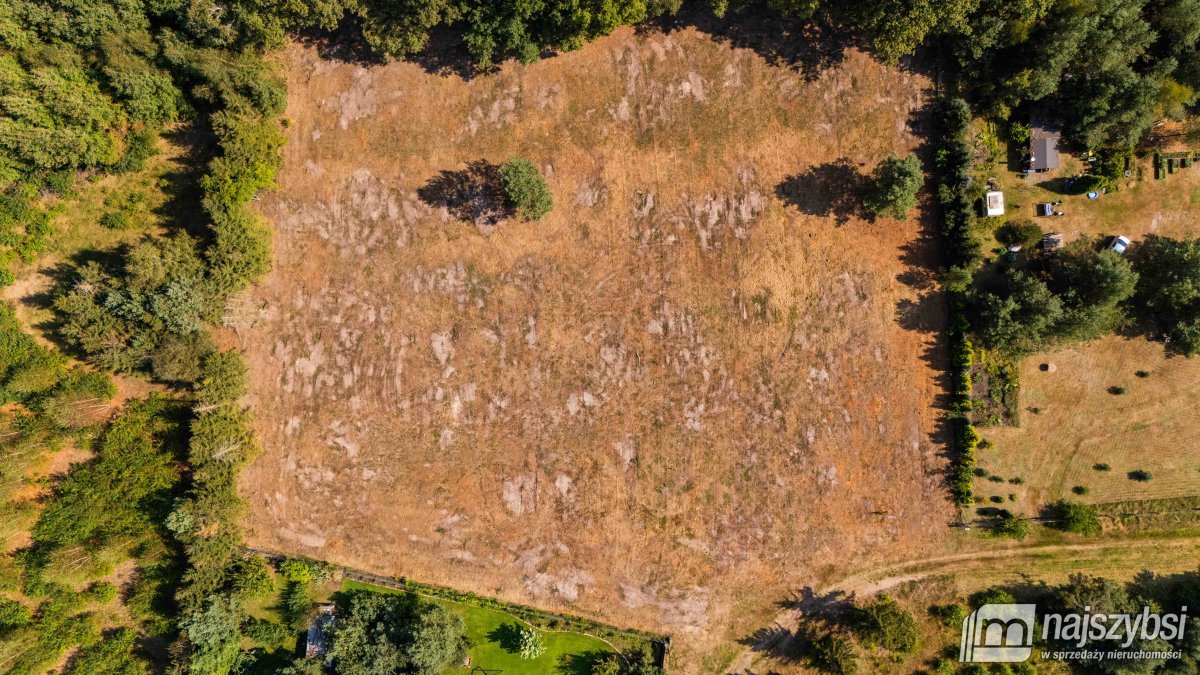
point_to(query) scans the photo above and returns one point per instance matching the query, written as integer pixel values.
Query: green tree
(1168, 289)
(524, 189)
(1012, 526)
(438, 640)
(1073, 517)
(894, 186)
(1017, 316)
(883, 623)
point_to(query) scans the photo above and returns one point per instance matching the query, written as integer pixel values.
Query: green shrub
(1073, 517)
(1012, 526)
(883, 623)
(1024, 233)
(222, 378)
(524, 189)
(1140, 475)
(834, 654)
(531, 644)
(102, 592)
(13, 614)
(951, 615)
(1117, 390)
(1080, 490)
(1143, 374)
(1102, 466)
(991, 596)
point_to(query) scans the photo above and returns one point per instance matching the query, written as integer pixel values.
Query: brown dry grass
(1081, 424)
(665, 404)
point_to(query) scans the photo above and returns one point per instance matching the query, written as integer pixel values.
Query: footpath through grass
(493, 637)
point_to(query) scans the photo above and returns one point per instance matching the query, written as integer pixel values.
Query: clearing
(701, 381)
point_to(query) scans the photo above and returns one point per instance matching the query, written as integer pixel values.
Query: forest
(87, 88)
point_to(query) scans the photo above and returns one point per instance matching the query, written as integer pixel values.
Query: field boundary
(660, 645)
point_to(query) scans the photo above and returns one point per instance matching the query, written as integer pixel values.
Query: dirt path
(881, 579)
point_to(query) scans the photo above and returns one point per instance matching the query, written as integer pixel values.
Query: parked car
(1119, 244)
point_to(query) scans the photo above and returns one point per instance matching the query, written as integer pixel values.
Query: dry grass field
(700, 382)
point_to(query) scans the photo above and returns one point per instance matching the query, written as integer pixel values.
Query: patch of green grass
(565, 652)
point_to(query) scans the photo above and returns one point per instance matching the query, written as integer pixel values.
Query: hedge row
(957, 193)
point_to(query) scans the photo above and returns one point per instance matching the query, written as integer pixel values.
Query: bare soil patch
(679, 395)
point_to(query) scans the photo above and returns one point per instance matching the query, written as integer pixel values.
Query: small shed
(1043, 148)
(317, 641)
(993, 203)
(1052, 241)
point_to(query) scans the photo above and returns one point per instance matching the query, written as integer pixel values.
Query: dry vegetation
(700, 382)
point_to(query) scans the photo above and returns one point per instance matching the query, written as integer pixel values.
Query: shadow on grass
(508, 636)
(472, 194)
(831, 189)
(584, 663)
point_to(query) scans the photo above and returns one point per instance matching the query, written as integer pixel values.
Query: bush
(1143, 374)
(102, 592)
(1101, 467)
(1012, 526)
(1073, 517)
(1117, 391)
(894, 187)
(951, 615)
(1024, 233)
(835, 654)
(265, 632)
(1140, 475)
(531, 644)
(991, 596)
(13, 614)
(883, 623)
(524, 189)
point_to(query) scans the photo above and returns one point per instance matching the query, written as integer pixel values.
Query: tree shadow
(805, 46)
(508, 636)
(445, 53)
(830, 189)
(471, 195)
(183, 208)
(778, 642)
(580, 664)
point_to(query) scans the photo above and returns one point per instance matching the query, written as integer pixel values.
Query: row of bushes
(956, 193)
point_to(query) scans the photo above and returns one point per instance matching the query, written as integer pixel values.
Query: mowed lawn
(1080, 424)
(566, 652)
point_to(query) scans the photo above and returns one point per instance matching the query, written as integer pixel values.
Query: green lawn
(565, 652)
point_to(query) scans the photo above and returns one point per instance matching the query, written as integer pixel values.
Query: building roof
(993, 203)
(1044, 153)
(316, 643)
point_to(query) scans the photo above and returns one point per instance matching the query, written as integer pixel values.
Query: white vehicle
(1120, 243)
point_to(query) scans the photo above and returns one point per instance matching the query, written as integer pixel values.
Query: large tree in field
(1168, 289)
(894, 186)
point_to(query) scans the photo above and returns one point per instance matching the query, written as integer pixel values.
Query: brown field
(1080, 424)
(700, 382)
